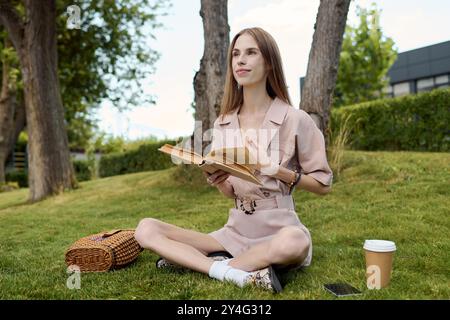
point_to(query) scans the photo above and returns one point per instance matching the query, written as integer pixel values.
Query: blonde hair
(276, 82)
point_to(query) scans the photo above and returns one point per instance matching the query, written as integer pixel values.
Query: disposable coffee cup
(379, 257)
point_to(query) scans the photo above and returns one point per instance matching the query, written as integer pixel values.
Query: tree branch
(11, 20)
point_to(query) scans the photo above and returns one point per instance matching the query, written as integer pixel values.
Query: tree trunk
(7, 106)
(50, 169)
(209, 81)
(18, 126)
(323, 61)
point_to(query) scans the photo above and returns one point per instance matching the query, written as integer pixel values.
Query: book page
(215, 161)
(234, 169)
(187, 156)
(238, 156)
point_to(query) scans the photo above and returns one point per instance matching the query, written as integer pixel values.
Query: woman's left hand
(263, 162)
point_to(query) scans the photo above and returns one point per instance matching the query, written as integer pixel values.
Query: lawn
(398, 196)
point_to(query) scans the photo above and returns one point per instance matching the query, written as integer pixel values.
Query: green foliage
(108, 58)
(21, 177)
(366, 57)
(414, 122)
(145, 157)
(8, 55)
(134, 144)
(82, 170)
(8, 186)
(22, 141)
(106, 143)
(336, 148)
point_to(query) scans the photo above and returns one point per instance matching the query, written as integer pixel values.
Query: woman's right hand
(216, 178)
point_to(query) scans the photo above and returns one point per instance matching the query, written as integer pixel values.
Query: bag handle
(114, 231)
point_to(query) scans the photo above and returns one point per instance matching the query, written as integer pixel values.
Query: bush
(8, 186)
(21, 177)
(415, 123)
(82, 170)
(146, 157)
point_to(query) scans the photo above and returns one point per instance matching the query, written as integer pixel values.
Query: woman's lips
(242, 72)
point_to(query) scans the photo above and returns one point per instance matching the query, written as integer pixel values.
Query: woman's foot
(265, 278)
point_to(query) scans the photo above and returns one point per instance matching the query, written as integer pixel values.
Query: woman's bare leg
(289, 246)
(187, 248)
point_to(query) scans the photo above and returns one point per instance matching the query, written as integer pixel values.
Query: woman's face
(248, 64)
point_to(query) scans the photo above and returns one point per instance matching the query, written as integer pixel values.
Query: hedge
(82, 170)
(415, 122)
(21, 177)
(145, 158)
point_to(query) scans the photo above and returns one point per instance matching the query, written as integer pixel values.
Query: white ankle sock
(237, 276)
(220, 270)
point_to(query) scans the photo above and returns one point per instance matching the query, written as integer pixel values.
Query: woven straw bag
(104, 251)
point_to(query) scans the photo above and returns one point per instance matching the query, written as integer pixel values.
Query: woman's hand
(216, 178)
(263, 162)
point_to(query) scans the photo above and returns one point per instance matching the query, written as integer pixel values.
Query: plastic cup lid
(379, 245)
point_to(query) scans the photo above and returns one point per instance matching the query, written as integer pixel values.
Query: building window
(441, 79)
(428, 84)
(401, 89)
(425, 84)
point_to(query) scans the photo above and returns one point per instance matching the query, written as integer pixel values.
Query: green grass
(399, 196)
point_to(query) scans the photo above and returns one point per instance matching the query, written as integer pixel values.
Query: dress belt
(249, 206)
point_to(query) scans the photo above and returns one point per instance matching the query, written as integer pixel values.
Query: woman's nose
(240, 60)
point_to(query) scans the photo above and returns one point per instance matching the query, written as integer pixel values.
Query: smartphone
(341, 289)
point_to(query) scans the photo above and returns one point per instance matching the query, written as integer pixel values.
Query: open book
(236, 161)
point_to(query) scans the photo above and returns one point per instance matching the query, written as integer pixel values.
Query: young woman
(263, 232)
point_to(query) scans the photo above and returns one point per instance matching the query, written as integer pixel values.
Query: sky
(410, 23)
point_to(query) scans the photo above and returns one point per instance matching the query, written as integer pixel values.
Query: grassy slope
(399, 196)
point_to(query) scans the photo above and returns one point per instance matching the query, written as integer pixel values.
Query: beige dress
(277, 136)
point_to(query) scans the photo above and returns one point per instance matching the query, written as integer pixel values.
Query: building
(418, 70)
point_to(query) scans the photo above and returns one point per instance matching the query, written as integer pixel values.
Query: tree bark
(209, 81)
(323, 61)
(18, 126)
(7, 111)
(50, 169)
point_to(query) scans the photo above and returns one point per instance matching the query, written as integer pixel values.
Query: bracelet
(293, 183)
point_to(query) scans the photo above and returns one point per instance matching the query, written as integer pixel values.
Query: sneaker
(265, 278)
(220, 255)
(162, 263)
